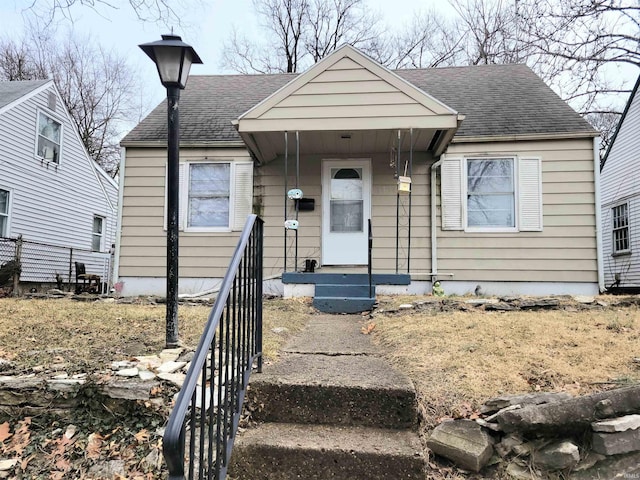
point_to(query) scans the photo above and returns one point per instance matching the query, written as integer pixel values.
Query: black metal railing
(369, 260)
(201, 430)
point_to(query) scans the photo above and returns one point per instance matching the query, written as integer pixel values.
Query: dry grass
(459, 359)
(88, 335)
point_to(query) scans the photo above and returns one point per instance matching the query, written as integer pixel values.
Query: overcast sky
(205, 28)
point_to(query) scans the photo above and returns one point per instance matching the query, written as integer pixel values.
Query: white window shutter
(184, 196)
(451, 194)
(243, 194)
(530, 194)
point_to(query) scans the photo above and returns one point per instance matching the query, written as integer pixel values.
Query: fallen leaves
(4, 432)
(94, 444)
(368, 328)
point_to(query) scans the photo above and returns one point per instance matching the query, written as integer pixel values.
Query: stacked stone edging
(534, 435)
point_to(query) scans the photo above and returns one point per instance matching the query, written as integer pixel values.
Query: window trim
(8, 214)
(56, 119)
(516, 195)
(94, 234)
(627, 251)
(184, 197)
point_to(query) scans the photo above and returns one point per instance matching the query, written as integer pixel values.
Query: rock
(569, 416)
(186, 356)
(128, 389)
(148, 361)
(462, 441)
(481, 301)
(604, 409)
(153, 460)
(70, 431)
(170, 354)
(499, 307)
(557, 456)
(65, 384)
(146, 375)
(618, 467)
(61, 376)
(616, 443)
(586, 299)
(506, 445)
(170, 367)
(128, 372)
(504, 401)
(119, 365)
(620, 424)
(539, 304)
(6, 465)
(406, 306)
(491, 426)
(176, 378)
(590, 459)
(279, 330)
(602, 304)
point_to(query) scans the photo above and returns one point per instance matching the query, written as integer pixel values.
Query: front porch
(344, 146)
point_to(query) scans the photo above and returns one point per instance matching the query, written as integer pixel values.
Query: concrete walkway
(332, 407)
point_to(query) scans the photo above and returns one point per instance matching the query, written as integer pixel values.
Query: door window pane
(346, 204)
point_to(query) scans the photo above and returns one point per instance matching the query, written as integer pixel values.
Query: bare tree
(300, 32)
(167, 12)
(95, 85)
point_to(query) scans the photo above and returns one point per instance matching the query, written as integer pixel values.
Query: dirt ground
(457, 354)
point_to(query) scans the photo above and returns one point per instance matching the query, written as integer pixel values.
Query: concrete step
(340, 390)
(276, 451)
(347, 290)
(343, 304)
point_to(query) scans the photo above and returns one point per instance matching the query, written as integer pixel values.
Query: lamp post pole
(173, 58)
(173, 213)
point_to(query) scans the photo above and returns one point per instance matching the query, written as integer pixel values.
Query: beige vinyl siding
(565, 249)
(270, 183)
(143, 238)
(349, 94)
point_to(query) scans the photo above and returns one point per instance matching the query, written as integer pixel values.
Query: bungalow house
(53, 196)
(621, 201)
(478, 177)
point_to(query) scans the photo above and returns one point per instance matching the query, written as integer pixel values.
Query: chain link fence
(54, 265)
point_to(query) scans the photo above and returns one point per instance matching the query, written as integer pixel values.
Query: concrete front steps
(331, 408)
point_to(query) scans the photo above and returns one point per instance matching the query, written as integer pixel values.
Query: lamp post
(173, 58)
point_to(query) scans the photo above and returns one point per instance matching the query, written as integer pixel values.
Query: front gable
(347, 91)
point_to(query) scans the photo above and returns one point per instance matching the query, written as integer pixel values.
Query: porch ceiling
(268, 145)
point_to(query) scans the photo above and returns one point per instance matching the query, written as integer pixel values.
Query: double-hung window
(49, 138)
(491, 193)
(491, 200)
(98, 233)
(214, 196)
(4, 212)
(620, 215)
(208, 195)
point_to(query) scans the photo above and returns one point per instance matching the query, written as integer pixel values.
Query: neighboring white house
(621, 200)
(52, 194)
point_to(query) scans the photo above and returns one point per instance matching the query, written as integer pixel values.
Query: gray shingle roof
(11, 91)
(496, 99)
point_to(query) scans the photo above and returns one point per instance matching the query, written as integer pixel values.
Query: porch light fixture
(173, 58)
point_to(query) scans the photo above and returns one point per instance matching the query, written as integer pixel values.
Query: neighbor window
(491, 193)
(620, 214)
(209, 193)
(4, 213)
(98, 233)
(49, 135)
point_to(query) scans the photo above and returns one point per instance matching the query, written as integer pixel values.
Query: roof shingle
(12, 91)
(497, 100)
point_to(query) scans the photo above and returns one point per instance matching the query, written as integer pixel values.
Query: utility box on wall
(306, 204)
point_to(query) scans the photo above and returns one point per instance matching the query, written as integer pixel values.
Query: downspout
(434, 229)
(596, 177)
(116, 260)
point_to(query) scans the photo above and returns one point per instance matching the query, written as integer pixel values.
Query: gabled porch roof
(347, 96)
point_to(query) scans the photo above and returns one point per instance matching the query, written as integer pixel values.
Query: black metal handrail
(369, 260)
(203, 424)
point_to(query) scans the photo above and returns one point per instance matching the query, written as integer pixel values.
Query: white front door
(346, 209)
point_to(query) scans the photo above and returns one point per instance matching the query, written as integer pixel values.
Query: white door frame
(345, 248)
